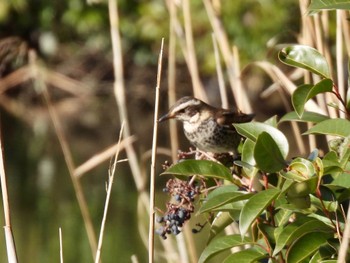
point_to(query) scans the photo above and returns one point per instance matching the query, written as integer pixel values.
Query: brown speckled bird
(208, 128)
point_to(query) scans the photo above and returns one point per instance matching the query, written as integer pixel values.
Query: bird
(208, 128)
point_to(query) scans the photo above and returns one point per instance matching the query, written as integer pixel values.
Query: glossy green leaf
(267, 154)
(297, 229)
(245, 256)
(317, 5)
(272, 121)
(331, 163)
(336, 127)
(307, 116)
(305, 57)
(221, 199)
(221, 220)
(306, 92)
(248, 157)
(254, 208)
(203, 168)
(252, 130)
(299, 98)
(306, 246)
(222, 243)
(303, 188)
(300, 169)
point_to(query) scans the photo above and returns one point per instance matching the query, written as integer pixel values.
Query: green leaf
(221, 220)
(254, 207)
(299, 170)
(317, 5)
(305, 57)
(223, 243)
(336, 127)
(272, 121)
(245, 256)
(307, 116)
(203, 168)
(267, 154)
(222, 197)
(303, 188)
(306, 92)
(306, 246)
(248, 157)
(252, 130)
(297, 229)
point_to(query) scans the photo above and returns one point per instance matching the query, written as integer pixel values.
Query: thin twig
(111, 173)
(153, 161)
(10, 242)
(101, 157)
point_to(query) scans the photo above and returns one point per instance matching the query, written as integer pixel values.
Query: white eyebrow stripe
(185, 105)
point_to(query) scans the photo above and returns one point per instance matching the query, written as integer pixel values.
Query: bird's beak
(166, 117)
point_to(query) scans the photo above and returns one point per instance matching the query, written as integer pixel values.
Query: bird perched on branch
(208, 128)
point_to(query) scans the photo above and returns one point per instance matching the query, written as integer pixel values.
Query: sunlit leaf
(305, 57)
(221, 199)
(306, 246)
(302, 189)
(252, 130)
(297, 229)
(307, 116)
(222, 243)
(245, 256)
(254, 207)
(317, 5)
(204, 168)
(336, 127)
(221, 220)
(306, 92)
(267, 154)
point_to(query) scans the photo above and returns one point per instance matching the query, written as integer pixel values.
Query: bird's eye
(182, 111)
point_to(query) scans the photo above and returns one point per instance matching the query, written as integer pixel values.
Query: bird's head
(186, 109)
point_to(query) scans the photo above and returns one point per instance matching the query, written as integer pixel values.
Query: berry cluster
(178, 211)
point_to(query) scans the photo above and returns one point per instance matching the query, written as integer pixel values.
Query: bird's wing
(231, 116)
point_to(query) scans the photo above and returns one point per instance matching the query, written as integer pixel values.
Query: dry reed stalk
(232, 66)
(61, 244)
(346, 31)
(71, 167)
(153, 161)
(101, 157)
(9, 239)
(221, 82)
(172, 78)
(119, 92)
(111, 173)
(344, 246)
(198, 90)
(340, 61)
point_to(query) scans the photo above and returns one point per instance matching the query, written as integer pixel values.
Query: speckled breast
(211, 137)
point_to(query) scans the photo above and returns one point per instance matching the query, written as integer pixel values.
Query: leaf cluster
(295, 211)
